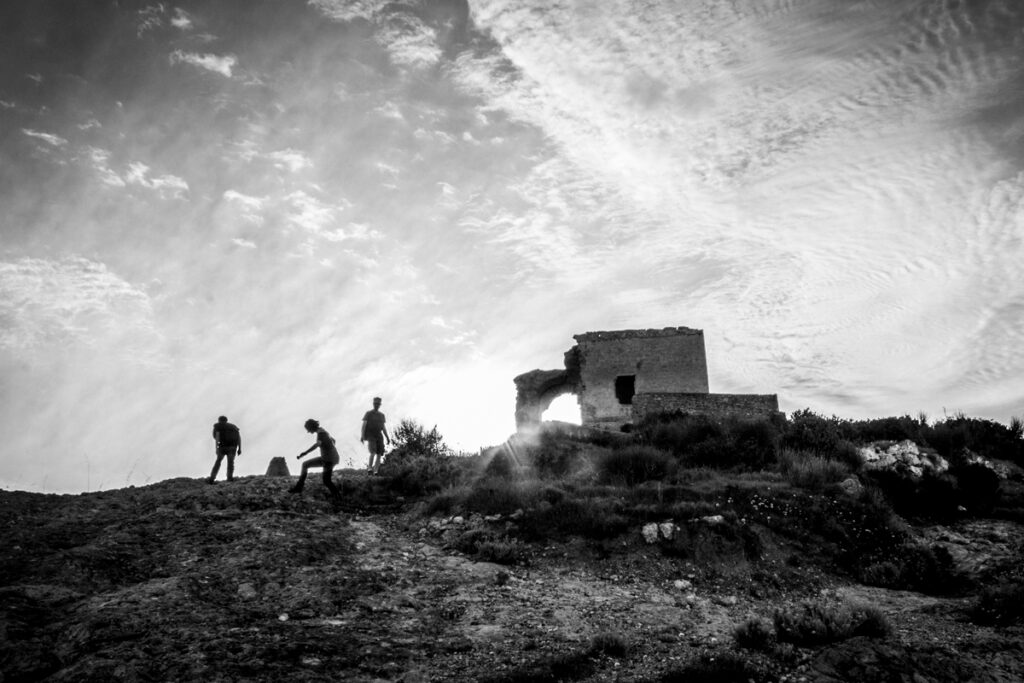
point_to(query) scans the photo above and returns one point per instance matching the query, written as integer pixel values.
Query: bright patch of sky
(282, 217)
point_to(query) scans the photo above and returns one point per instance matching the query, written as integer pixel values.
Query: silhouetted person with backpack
(328, 459)
(229, 443)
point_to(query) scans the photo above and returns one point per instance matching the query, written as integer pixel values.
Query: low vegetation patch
(634, 464)
(1000, 605)
(719, 667)
(811, 624)
(810, 470)
(571, 666)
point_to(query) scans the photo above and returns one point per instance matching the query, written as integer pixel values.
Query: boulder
(278, 467)
(902, 456)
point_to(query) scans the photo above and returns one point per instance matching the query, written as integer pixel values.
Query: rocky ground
(183, 581)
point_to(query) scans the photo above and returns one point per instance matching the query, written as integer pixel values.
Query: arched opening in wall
(564, 409)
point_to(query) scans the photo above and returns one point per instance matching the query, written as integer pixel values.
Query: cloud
(99, 159)
(290, 160)
(48, 138)
(168, 186)
(220, 64)
(350, 10)
(181, 19)
(251, 208)
(410, 41)
(50, 305)
(248, 244)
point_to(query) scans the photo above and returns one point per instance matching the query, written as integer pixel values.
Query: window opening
(625, 387)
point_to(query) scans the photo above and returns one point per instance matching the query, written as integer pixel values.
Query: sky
(276, 209)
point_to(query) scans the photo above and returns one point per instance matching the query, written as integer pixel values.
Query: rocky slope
(183, 581)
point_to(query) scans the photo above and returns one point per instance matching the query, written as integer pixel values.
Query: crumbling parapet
(535, 390)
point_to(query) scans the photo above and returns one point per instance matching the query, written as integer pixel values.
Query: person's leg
(302, 479)
(328, 469)
(216, 468)
(378, 453)
(312, 462)
(231, 466)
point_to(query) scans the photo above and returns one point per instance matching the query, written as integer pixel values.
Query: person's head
(312, 425)
(222, 419)
(376, 401)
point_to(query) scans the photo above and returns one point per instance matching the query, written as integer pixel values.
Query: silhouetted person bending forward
(328, 459)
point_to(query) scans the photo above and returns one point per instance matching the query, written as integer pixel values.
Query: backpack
(229, 435)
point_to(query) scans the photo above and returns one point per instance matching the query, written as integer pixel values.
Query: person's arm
(239, 442)
(362, 432)
(311, 448)
(387, 437)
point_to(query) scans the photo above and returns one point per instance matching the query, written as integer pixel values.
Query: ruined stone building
(618, 377)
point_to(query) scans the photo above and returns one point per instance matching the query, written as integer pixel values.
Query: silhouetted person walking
(328, 459)
(375, 434)
(229, 443)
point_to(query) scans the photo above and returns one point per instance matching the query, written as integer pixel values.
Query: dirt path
(491, 620)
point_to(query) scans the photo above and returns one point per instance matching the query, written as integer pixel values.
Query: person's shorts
(226, 450)
(375, 444)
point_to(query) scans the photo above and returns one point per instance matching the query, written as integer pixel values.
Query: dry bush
(809, 470)
(811, 624)
(755, 634)
(634, 464)
(1000, 606)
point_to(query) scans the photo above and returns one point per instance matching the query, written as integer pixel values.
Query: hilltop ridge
(181, 580)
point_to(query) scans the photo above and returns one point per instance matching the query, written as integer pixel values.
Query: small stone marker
(278, 468)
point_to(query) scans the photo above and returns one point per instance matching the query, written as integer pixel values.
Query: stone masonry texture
(660, 361)
(740, 405)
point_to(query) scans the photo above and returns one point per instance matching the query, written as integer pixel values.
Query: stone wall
(741, 405)
(658, 361)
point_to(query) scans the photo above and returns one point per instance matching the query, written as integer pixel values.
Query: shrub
(500, 467)
(847, 453)
(914, 567)
(755, 634)
(411, 439)
(808, 431)
(721, 667)
(502, 551)
(417, 475)
(979, 487)
(587, 517)
(555, 457)
(420, 462)
(931, 497)
(811, 624)
(1000, 606)
(704, 440)
(490, 496)
(885, 429)
(809, 470)
(756, 443)
(984, 437)
(634, 464)
(609, 644)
